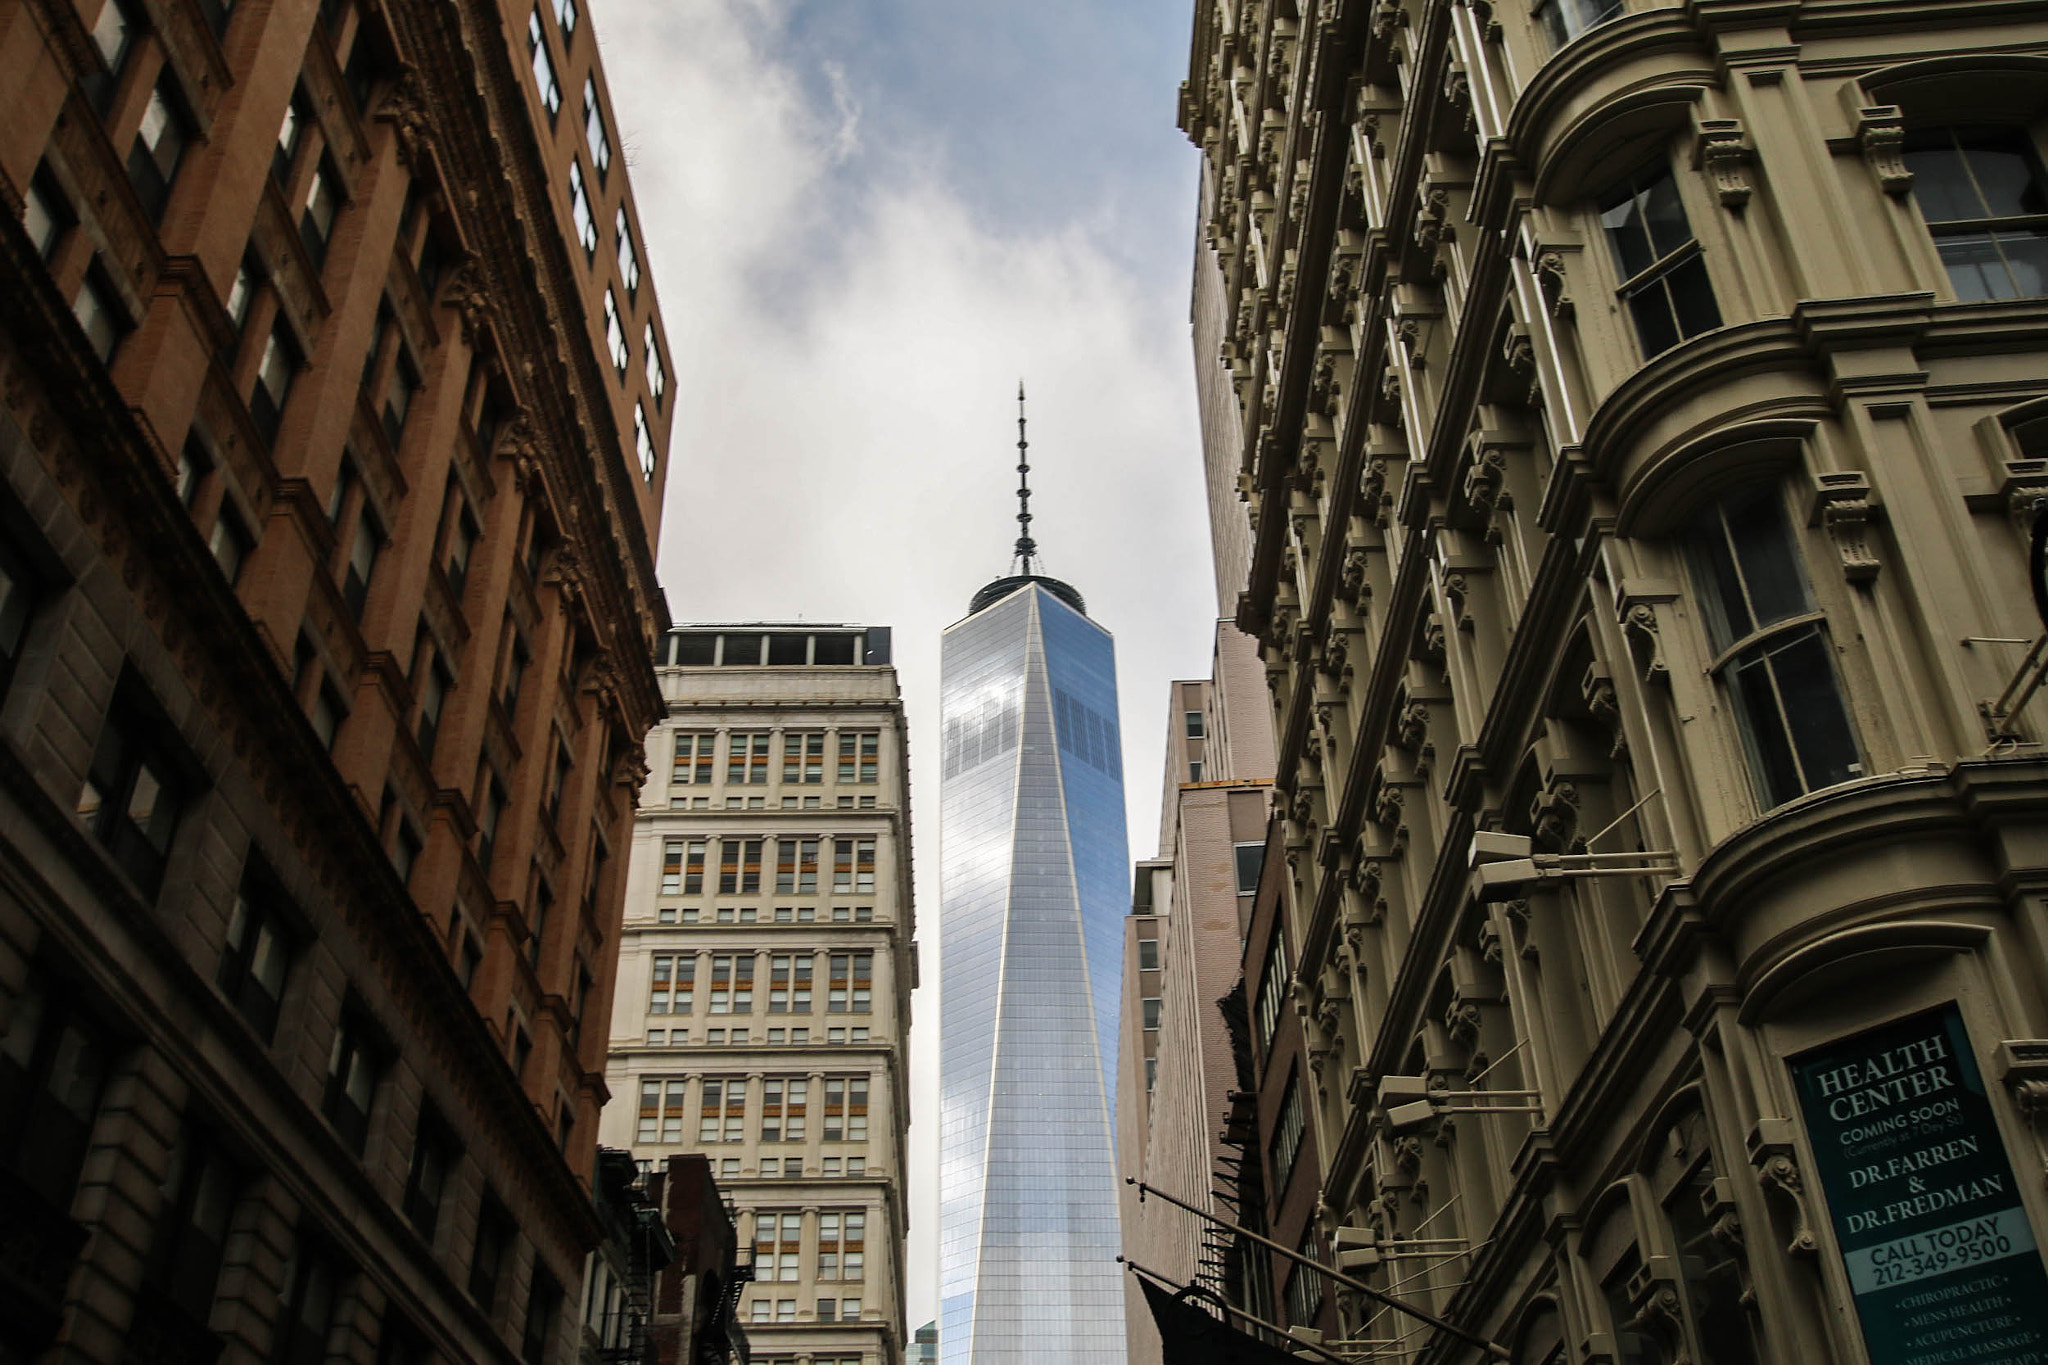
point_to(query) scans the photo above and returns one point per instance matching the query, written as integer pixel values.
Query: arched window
(1771, 647)
(1985, 199)
(1699, 1217)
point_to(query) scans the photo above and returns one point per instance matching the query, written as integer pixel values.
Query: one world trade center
(1035, 884)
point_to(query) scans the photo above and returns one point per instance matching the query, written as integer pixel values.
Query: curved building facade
(1035, 883)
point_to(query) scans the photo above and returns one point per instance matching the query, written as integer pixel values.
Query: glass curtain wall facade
(1035, 882)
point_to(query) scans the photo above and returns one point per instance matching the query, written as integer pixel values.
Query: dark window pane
(1813, 707)
(1726, 606)
(1770, 748)
(2004, 172)
(1621, 214)
(2026, 256)
(1975, 270)
(1655, 327)
(1692, 297)
(1769, 560)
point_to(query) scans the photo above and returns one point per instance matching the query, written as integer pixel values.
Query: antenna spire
(1027, 548)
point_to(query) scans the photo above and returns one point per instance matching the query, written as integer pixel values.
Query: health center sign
(1941, 1257)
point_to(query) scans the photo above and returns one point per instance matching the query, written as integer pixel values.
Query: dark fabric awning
(1192, 1336)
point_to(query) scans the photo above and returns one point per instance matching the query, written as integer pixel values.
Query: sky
(867, 220)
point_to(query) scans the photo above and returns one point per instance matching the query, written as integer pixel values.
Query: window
(134, 793)
(803, 758)
(842, 1246)
(657, 376)
(594, 135)
(579, 211)
(291, 134)
(1195, 771)
(274, 373)
(643, 444)
(543, 901)
(1151, 1073)
(848, 989)
(1272, 991)
(201, 1188)
(565, 15)
(661, 1112)
(789, 983)
(543, 1300)
(242, 293)
(46, 214)
(159, 146)
(433, 697)
(739, 867)
(1192, 721)
(615, 333)
(1148, 954)
(692, 766)
(558, 778)
(543, 66)
(114, 34)
(462, 539)
(777, 1243)
(1287, 1131)
(1305, 1284)
(796, 867)
(1663, 275)
(323, 206)
(629, 259)
(1250, 861)
(1151, 1005)
(746, 761)
(1985, 200)
(1772, 648)
(857, 756)
(362, 562)
(434, 1154)
(399, 391)
(353, 1068)
(100, 313)
(313, 1282)
(53, 1067)
(732, 983)
(1565, 20)
(18, 592)
(674, 986)
(494, 1234)
(782, 1108)
(846, 1109)
(723, 1116)
(256, 960)
(1695, 1202)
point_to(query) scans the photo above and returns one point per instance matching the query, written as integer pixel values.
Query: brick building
(330, 459)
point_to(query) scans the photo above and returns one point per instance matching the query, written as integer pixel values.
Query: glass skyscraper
(1035, 882)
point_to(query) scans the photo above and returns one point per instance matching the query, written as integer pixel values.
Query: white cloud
(847, 335)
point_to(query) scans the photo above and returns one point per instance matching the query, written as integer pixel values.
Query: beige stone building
(1641, 410)
(765, 973)
(1191, 907)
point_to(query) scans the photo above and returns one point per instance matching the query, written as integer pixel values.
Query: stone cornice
(473, 97)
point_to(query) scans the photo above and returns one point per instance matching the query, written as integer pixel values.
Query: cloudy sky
(867, 220)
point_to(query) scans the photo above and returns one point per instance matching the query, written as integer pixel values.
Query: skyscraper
(766, 968)
(1034, 890)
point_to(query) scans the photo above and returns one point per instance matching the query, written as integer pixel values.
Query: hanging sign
(1941, 1256)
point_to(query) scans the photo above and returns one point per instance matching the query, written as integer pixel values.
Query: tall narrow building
(765, 974)
(1035, 885)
